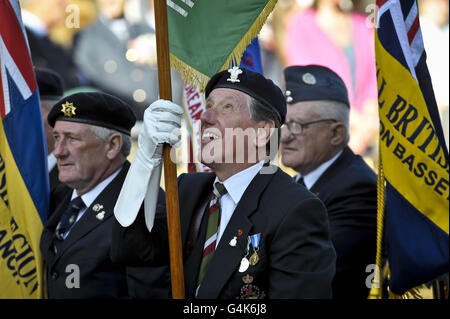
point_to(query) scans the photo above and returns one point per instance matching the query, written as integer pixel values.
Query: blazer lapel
(334, 168)
(100, 211)
(227, 258)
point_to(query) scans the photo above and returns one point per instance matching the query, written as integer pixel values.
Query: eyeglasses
(296, 127)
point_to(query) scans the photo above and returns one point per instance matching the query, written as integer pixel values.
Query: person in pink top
(336, 37)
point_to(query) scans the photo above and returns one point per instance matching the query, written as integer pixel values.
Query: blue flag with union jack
(24, 185)
(413, 153)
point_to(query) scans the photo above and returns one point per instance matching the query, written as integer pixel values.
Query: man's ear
(114, 145)
(338, 133)
(264, 133)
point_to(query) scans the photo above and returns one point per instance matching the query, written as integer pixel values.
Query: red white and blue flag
(413, 153)
(24, 185)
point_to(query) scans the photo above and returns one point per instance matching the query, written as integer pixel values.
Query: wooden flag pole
(170, 170)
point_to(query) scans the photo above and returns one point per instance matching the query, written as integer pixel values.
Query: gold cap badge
(68, 109)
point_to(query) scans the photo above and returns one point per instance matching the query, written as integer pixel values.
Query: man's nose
(60, 148)
(286, 135)
(208, 116)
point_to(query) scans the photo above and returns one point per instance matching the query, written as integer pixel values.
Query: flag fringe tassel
(197, 78)
(376, 290)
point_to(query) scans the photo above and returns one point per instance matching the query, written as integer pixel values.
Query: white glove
(162, 121)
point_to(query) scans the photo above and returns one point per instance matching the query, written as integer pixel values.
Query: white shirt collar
(33, 22)
(90, 196)
(311, 178)
(238, 183)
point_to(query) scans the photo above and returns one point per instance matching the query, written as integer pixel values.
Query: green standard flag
(206, 36)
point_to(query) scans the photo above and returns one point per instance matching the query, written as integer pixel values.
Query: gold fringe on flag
(197, 78)
(376, 290)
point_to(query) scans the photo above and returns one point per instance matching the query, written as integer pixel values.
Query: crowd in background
(110, 45)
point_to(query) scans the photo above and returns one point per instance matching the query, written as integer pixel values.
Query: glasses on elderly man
(296, 127)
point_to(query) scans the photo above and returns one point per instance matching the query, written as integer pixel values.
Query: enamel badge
(100, 215)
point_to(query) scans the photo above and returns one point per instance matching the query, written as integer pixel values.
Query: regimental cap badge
(308, 78)
(234, 73)
(68, 109)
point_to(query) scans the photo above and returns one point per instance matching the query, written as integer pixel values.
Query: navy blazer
(88, 247)
(348, 188)
(297, 258)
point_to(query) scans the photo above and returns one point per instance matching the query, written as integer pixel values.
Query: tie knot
(77, 203)
(219, 189)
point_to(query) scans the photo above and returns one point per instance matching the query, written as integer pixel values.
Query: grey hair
(327, 109)
(102, 134)
(260, 112)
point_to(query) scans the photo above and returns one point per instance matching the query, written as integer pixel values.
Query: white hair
(102, 134)
(335, 110)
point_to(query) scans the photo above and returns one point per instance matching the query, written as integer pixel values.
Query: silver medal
(244, 264)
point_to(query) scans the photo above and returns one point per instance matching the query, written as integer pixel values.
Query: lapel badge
(68, 109)
(234, 73)
(233, 242)
(308, 78)
(100, 215)
(97, 207)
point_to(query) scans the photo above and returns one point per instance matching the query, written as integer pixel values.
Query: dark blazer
(348, 188)
(297, 259)
(88, 246)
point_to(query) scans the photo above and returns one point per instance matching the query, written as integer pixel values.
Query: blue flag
(413, 154)
(251, 59)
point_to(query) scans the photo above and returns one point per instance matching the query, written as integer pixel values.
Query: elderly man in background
(314, 143)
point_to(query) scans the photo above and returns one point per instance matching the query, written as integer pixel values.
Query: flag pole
(170, 171)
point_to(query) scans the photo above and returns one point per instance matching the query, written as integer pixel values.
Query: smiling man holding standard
(246, 233)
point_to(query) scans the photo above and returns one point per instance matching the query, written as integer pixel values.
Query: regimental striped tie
(211, 230)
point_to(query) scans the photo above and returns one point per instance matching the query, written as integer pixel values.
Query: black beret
(50, 84)
(314, 82)
(253, 84)
(95, 108)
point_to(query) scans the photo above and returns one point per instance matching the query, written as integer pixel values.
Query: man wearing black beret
(51, 89)
(248, 230)
(91, 134)
(314, 143)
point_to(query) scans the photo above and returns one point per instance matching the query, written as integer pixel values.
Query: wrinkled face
(111, 8)
(81, 157)
(306, 151)
(227, 131)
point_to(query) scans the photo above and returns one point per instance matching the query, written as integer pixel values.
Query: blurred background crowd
(110, 45)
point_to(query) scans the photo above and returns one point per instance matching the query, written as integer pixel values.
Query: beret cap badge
(234, 73)
(308, 78)
(68, 109)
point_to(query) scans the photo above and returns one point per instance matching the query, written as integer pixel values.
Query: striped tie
(211, 231)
